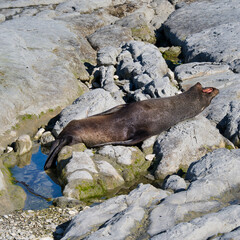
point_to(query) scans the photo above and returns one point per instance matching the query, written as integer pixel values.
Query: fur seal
(129, 124)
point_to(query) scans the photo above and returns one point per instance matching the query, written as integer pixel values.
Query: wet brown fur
(132, 123)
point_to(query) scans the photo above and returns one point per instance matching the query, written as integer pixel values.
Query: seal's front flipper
(138, 137)
(55, 149)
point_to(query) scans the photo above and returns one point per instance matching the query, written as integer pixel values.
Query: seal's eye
(207, 90)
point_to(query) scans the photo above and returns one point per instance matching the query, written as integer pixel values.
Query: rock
(47, 139)
(111, 35)
(210, 177)
(23, 144)
(121, 153)
(162, 10)
(234, 235)
(83, 6)
(107, 78)
(108, 55)
(93, 102)
(204, 227)
(64, 202)
(224, 111)
(109, 172)
(165, 216)
(12, 197)
(203, 39)
(223, 48)
(35, 60)
(80, 161)
(199, 69)
(115, 217)
(175, 183)
(138, 22)
(39, 133)
(2, 18)
(27, 3)
(2, 182)
(184, 143)
(198, 16)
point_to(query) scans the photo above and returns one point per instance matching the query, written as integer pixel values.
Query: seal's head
(202, 97)
(205, 94)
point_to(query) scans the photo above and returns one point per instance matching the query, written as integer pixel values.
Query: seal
(129, 124)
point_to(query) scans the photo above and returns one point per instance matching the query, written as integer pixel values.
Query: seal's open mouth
(207, 90)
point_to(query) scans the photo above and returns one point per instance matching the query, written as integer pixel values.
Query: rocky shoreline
(80, 58)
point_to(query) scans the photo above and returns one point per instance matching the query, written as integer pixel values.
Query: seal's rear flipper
(55, 149)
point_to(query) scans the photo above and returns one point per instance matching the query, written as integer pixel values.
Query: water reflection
(38, 186)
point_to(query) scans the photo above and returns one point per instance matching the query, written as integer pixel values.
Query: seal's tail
(55, 149)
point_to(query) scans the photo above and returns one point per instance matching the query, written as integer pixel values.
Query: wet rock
(93, 102)
(12, 197)
(111, 216)
(47, 139)
(109, 172)
(39, 133)
(64, 202)
(84, 175)
(175, 183)
(111, 35)
(23, 144)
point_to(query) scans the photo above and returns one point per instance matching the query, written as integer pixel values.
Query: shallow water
(38, 186)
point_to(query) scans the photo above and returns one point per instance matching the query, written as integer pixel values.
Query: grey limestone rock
(175, 183)
(23, 144)
(198, 16)
(216, 44)
(184, 143)
(90, 103)
(211, 176)
(27, 3)
(204, 227)
(107, 78)
(224, 111)
(111, 35)
(115, 218)
(207, 30)
(121, 153)
(233, 235)
(108, 55)
(199, 69)
(143, 65)
(47, 138)
(36, 60)
(163, 9)
(83, 6)
(108, 170)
